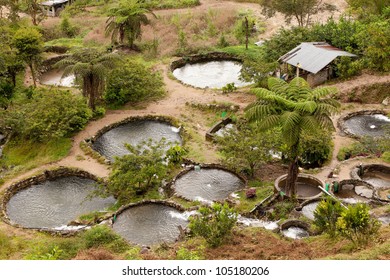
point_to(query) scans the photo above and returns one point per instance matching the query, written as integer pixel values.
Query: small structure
(54, 7)
(314, 59)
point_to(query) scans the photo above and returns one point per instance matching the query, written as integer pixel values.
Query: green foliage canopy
(133, 82)
(46, 115)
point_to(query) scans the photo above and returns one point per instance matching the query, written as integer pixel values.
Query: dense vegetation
(115, 68)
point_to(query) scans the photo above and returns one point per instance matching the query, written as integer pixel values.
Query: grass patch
(247, 204)
(28, 154)
(66, 42)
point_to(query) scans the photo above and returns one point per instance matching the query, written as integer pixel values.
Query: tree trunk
(32, 73)
(246, 33)
(292, 177)
(293, 170)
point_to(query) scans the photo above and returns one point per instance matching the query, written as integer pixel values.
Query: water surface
(367, 125)
(207, 184)
(212, 74)
(55, 203)
(54, 78)
(112, 142)
(150, 224)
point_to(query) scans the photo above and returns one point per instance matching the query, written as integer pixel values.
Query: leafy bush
(186, 254)
(68, 29)
(176, 153)
(356, 224)
(214, 224)
(366, 146)
(229, 88)
(133, 82)
(316, 148)
(246, 148)
(47, 115)
(136, 173)
(281, 210)
(326, 215)
(45, 253)
(103, 236)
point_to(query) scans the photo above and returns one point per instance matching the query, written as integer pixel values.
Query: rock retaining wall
(198, 58)
(342, 119)
(211, 132)
(38, 179)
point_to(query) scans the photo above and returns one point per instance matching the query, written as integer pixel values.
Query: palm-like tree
(90, 66)
(296, 109)
(125, 21)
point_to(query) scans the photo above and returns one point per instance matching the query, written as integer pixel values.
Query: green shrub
(229, 88)
(214, 224)
(176, 153)
(133, 82)
(326, 215)
(103, 236)
(186, 254)
(41, 252)
(281, 210)
(47, 115)
(356, 225)
(68, 29)
(386, 156)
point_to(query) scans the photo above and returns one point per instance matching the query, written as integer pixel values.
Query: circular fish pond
(307, 186)
(376, 175)
(54, 78)
(54, 203)
(295, 229)
(149, 224)
(207, 184)
(366, 123)
(112, 142)
(211, 74)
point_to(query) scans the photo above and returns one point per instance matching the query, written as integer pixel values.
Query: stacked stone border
(210, 134)
(304, 176)
(171, 185)
(341, 121)
(168, 203)
(367, 168)
(296, 223)
(199, 58)
(163, 119)
(46, 175)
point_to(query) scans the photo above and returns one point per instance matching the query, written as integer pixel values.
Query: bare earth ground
(174, 105)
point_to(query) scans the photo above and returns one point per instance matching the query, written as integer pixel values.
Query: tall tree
(365, 7)
(91, 67)
(296, 109)
(34, 10)
(125, 21)
(301, 10)
(29, 45)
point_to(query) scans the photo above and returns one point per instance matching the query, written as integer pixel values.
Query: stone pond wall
(341, 121)
(170, 187)
(38, 179)
(212, 56)
(211, 132)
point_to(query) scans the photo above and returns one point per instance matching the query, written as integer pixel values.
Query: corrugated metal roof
(313, 56)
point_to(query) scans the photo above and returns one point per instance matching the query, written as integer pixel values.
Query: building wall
(320, 77)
